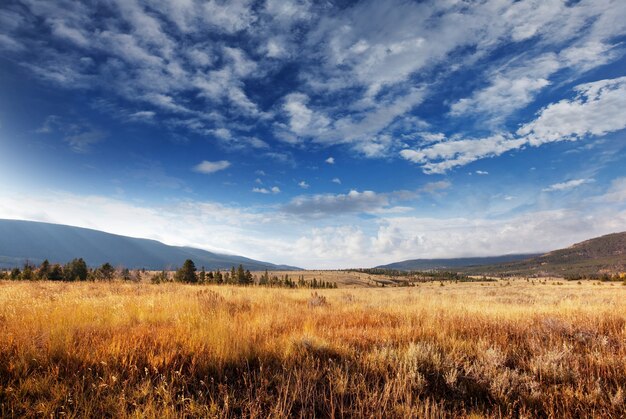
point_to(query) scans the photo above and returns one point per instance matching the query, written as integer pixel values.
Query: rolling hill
(605, 254)
(35, 241)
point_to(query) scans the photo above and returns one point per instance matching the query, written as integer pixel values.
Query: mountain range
(605, 254)
(31, 241)
(22, 241)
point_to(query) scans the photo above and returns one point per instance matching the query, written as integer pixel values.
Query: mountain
(605, 254)
(34, 241)
(428, 264)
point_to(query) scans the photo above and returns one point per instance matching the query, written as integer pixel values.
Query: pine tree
(265, 278)
(187, 273)
(44, 270)
(27, 273)
(56, 273)
(241, 275)
(202, 277)
(76, 270)
(106, 272)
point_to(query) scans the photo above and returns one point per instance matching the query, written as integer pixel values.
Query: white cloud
(599, 108)
(232, 16)
(402, 238)
(363, 68)
(142, 115)
(443, 156)
(288, 11)
(303, 185)
(272, 190)
(83, 141)
(303, 120)
(336, 180)
(330, 204)
(181, 223)
(435, 187)
(79, 135)
(330, 160)
(517, 84)
(10, 44)
(502, 97)
(208, 167)
(616, 192)
(481, 172)
(263, 234)
(564, 186)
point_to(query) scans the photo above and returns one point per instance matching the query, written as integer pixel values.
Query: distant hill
(605, 254)
(35, 241)
(439, 264)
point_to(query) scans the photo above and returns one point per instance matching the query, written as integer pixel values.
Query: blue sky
(319, 134)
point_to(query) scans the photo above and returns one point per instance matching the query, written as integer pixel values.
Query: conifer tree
(44, 270)
(187, 273)
(241, 275)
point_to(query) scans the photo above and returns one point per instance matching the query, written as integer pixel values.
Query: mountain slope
(605, 254)
(35, 241)
(427, 264)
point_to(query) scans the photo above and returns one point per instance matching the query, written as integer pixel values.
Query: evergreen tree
(44, 270)
(265, 278)
(187, 273)
(27, 273)
(56, 273)
(248, 280)
(202, 276)
(76, 270)
(241, 275)
(15, 274)
(106, 272)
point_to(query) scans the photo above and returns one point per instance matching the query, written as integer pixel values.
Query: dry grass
(496, 349)
(345, 279)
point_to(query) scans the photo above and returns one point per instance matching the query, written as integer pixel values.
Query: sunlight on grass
(467, 349)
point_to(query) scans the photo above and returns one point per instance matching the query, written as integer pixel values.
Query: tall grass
(170, 350)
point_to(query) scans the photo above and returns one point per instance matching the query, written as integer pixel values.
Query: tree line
(77, 270)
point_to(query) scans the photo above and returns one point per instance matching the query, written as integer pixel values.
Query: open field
(345, 279)
(461, 349)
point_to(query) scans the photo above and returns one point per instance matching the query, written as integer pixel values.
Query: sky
(327, 134)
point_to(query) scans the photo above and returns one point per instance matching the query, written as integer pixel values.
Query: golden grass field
(496, 349)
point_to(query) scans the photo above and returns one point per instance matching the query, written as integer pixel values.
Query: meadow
(495, 349)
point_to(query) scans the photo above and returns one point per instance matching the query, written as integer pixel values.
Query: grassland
(346, 279)
(525, 349)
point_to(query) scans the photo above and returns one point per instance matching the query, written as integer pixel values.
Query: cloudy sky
(319, 134)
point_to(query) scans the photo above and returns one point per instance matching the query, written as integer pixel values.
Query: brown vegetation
(531, 349)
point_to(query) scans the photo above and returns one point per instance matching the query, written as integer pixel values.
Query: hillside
(605, 254)
(428, 264)
(35, 241)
